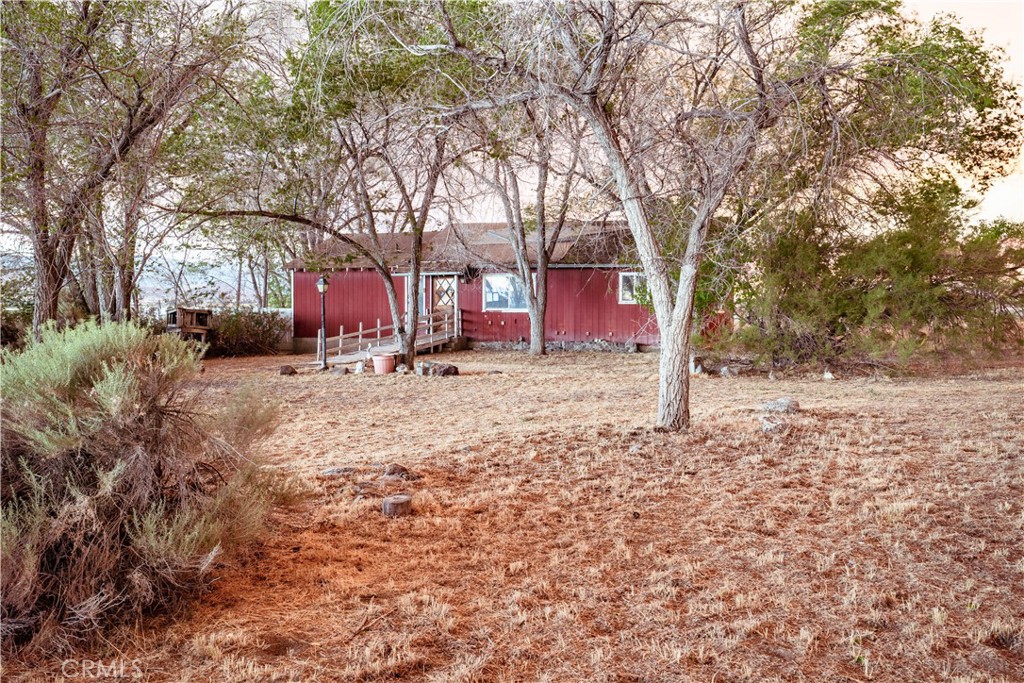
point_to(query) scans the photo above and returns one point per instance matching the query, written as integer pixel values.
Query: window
(504, 292)
(631, 287)
(444, 291)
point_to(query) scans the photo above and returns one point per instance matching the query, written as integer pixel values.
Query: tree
(347, 143)
(927, 277)
(508, 148)
(84, 85)
(700, 101)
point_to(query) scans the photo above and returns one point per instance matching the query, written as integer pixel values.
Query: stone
(725, 371)
(339, 370)
(444, 370)
(396, 471)
(785, 404)
(288, 370)
(338, 471)
(431, 369)
(773, 426)
(397, 505)
(360, 367)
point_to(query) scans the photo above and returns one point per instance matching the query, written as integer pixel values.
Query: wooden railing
(429, 328)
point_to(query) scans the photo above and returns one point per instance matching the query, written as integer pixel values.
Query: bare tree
(366, 179)
(84, 83)
(396, 166)
(696, 100)
(508, 149)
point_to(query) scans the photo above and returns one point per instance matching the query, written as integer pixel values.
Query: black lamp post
(321, 286)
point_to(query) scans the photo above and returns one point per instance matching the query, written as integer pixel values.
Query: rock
(360, 367)
(429, 368)
(288, 370)
(770, 426)
(785, 404)
(402, 369)
(338, 471)
(397, 471)
(828, 376)
(444, 370)
(339, 370)
(726, 372)
(398, 505)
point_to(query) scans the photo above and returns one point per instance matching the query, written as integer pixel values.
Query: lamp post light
(321, 286)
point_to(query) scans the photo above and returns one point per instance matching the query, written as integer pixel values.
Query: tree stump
(397, 505)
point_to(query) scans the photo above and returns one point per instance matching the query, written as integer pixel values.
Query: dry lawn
(557, 538)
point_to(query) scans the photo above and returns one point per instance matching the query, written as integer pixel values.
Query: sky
(1002, 24)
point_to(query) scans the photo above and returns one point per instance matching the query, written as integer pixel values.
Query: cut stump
(398, 505)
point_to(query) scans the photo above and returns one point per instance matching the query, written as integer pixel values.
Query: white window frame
(423, 287)
(493, 309)
(623, 275)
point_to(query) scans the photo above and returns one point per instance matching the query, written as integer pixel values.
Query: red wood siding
(353, 296)
(582, 306)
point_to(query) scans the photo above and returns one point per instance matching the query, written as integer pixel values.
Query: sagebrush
(117, 498)
(246, 333)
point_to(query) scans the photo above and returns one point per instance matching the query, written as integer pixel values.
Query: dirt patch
(555, 537)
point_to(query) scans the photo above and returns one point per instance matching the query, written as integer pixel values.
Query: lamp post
(321, 286)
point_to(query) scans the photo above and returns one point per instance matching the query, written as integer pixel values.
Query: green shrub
(116, 498)
(16, 287)
(924, 280)
(14, 329)
(246, 333)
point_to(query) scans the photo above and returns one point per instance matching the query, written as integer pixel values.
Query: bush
(14, 327)
(16, 287)
(246, 333)
(926, 281)
(115, 498)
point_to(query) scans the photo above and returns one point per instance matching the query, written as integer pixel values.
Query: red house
(467, 273)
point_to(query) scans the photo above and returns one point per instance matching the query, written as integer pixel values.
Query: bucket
(382, 365)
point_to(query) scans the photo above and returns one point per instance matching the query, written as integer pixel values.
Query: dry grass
(556, 538)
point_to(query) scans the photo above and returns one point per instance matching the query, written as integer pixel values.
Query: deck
(433, 331)
(428, 342)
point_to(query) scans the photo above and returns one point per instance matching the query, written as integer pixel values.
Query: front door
(443, 297)
(442, 293)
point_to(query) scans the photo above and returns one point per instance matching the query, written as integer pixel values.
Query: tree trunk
(537, 343)
(238, 286)
(412, 309)
(537, 310)
(47, 295)
(407, 344)
(674, 364)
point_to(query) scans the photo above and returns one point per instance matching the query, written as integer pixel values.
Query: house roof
(483, 246)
